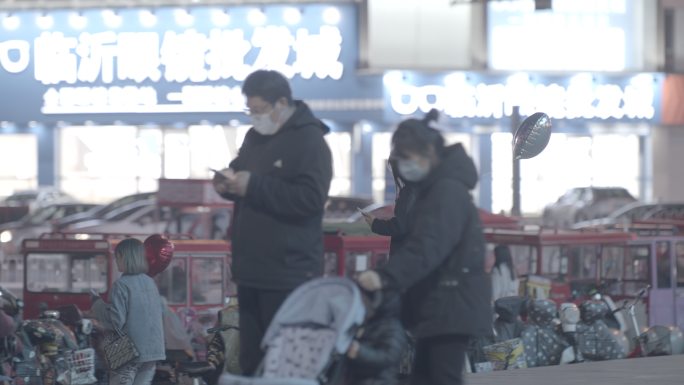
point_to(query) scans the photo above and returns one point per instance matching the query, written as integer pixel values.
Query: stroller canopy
(331, 302)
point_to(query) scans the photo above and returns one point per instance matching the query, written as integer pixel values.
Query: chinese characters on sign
(581, 98)
(82, 70)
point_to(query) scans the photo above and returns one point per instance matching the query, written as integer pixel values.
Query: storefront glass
(340, 147)
(99, 164)
(18, 157)
(604, 160)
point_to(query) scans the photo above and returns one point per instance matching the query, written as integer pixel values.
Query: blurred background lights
(256, 17)
(77, 20)
(183, 17)
(44, 21)
(10, 22)
(292, 15)
(220, 18)
(393, 79)
(147, 18)
(332, 16)
(111, 18)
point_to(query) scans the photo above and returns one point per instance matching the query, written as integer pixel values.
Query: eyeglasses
(259, 110)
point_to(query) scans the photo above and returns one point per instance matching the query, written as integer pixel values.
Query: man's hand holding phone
(231, 182)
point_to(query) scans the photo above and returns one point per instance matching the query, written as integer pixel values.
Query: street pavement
(668, 370)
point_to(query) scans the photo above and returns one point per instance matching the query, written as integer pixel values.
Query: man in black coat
(279, 182)
(440, 266)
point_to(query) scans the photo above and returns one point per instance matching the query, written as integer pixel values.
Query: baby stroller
(309, 336)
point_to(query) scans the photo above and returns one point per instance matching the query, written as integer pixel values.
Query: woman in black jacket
(440, 264)
(397, 227)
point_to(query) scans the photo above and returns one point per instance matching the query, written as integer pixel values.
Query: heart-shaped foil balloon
(532, 136)
(158, 252)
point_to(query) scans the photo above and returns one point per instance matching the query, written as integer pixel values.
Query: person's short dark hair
(416, 136)
(268, 85)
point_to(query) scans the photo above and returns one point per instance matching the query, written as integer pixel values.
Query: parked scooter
(543, 339)
(657, 340)
(10, 311)
(81, 327)
(503, 349)
(51, 354)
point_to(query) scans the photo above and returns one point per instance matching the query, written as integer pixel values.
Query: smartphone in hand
(220, 174)
(364, 213)
(94, 293)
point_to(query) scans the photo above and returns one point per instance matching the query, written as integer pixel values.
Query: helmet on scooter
(676, 340)
(542, 311)
(592, 311)
(658, 340)
(509, 308)
(621, 340)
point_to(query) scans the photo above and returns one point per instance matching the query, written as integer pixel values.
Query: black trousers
(440, 360)
(257, 308)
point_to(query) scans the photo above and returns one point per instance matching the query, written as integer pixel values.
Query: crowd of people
(434, 284)
(435, 272)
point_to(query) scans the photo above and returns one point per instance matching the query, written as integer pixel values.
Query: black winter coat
(398, 226)
(381, 345)
(277, 236)
(441, 263)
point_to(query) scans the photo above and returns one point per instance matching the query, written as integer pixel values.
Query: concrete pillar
(362, 159)
(484, 151)
(668, 157)
(47, 158)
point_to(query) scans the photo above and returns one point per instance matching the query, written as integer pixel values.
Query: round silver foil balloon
(532, 136)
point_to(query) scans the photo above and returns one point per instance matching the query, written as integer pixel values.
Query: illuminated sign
(575, 35)
(579, 96)
(156, 66)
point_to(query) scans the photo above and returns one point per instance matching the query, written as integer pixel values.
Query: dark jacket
(397, 227)
(441, 263)
(277, 236)
(382, 342)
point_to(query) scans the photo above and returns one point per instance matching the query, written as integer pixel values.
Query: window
(11, 273)
(549, 176)
(637, 269)
(173, 282)
(524, 259)
(207, 281)
(330, 264)
(66, 273)
(341, 150)
(551, 257)
(201, 225)
(612, 263)
(680, 263)
(19, 159)
(663, 268)
(357, 261)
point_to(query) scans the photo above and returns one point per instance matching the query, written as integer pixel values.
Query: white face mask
(263, 124)
(411, 170)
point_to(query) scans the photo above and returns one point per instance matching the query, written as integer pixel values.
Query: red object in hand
(158, 252)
